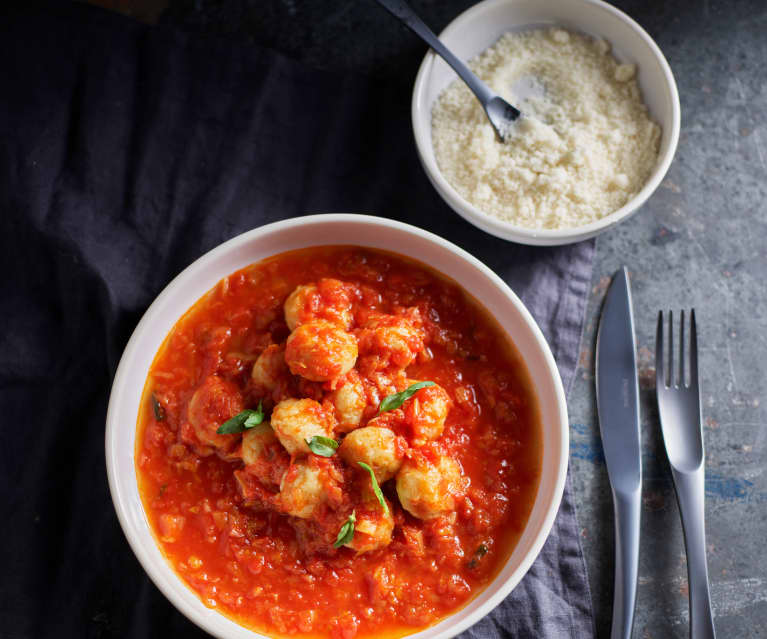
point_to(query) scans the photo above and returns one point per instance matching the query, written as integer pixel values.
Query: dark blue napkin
(127, 152)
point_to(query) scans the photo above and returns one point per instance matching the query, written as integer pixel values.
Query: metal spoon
(500, 113)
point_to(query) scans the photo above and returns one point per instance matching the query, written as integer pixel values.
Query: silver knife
(618, 408)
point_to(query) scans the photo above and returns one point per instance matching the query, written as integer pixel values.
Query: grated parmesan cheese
(589, 146)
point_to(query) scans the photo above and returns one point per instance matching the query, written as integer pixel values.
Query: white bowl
(479, 27)
(302, 232)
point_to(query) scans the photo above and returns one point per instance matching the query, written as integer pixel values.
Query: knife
(618, 410)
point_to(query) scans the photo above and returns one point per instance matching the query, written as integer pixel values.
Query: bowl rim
(522, 234)
(159, 572)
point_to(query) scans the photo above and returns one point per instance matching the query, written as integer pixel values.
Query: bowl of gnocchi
(336, 425)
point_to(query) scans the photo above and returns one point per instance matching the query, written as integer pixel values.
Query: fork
(680, 419)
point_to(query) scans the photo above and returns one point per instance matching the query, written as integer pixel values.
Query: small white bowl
(480, 27)
(318, 230)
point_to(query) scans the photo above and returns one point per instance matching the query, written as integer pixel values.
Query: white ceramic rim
(161, 573)
(523, 234)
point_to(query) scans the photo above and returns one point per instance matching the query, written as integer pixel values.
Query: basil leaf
(390, 402)
(234, 425)
(346, 534)
(376, 487)
(243, 421)
(322, 446)
(255, 418)
(158, 408)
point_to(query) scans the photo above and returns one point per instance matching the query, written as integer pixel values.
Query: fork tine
(670, 371)
(660, 382)
(681, 349)
(693, 351)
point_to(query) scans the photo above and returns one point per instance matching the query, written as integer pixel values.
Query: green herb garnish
(248, 418)
(376, 487)
(390, 402)
(480, 552)
(322, 446)
(158, 408)
(346, 534)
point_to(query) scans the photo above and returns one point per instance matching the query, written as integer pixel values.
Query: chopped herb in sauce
(158, 408)
(480, 552)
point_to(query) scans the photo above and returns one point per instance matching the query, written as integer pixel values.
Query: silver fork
(680, 419)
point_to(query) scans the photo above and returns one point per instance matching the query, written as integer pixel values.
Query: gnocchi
(269, 368)
(349, 402)
(329, 299)
(379, 448)
(302, 489)
(263, 455)
(256, 442)
(297, 420)
(373, 528)
(426, 413)
(320, 351)
(215, 401)
(428, 489)
(393, 340)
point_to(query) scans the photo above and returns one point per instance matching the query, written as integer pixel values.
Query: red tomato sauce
(219, 522)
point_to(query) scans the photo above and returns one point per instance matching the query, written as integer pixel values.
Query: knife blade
(618, 411)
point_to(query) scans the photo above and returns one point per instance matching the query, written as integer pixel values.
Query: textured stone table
(700, 241)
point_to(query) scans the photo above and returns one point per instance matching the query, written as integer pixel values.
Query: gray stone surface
(700, 241)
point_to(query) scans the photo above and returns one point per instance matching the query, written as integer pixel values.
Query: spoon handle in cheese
(402, 10)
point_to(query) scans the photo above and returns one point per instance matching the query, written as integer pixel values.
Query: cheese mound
(585, 143)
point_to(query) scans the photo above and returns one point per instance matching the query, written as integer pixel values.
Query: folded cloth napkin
(128, 151)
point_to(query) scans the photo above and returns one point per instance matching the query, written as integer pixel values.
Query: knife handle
(627, 509)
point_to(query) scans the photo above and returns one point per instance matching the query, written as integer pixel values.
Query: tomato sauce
(243, 556)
